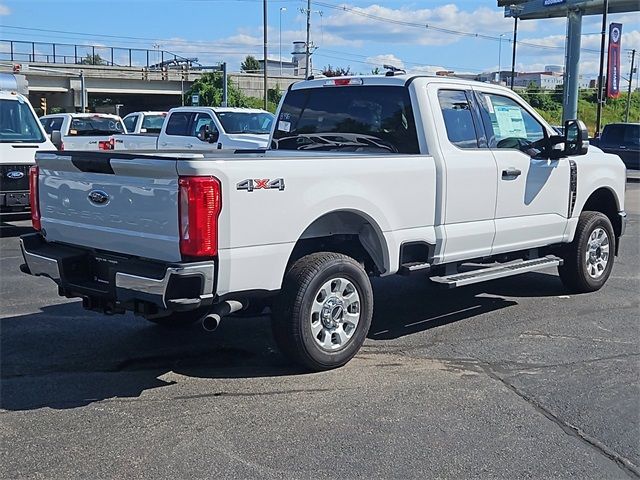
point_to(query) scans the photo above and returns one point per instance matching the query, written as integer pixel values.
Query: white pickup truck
(21, 136)
(82, 131)
(459, 181)
(204, 129)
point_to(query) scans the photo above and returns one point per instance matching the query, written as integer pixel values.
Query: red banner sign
(613, 68)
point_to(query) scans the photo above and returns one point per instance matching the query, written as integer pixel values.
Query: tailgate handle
(510, 173)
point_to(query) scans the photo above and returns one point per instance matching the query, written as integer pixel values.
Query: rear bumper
(115, 284)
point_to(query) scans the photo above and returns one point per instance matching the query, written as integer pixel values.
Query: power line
(427, 26)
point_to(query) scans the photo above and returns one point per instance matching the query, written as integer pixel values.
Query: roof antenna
(392, 71)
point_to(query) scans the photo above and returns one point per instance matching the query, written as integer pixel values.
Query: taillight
(200, 202)
(106, 144)
(33, 197)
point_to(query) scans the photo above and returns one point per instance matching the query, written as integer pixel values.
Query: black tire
(574, 273)
(291, 319)
(179, 319)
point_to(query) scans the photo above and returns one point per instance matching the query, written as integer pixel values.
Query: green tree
(330, 71)
(90, 59)
(250, 65)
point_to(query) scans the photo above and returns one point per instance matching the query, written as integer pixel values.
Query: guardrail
(21, 51)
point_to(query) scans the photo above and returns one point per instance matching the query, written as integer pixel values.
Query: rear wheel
(324, 311)
(588, 260)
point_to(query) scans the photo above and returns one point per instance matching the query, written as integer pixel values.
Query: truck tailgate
(119, 203)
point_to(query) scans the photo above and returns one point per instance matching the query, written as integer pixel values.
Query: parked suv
(622, 139)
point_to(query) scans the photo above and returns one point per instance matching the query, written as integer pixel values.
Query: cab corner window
(458, 119)
(178, 124)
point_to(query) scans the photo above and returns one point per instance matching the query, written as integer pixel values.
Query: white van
(21, 136)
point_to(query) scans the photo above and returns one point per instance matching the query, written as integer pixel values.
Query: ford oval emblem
(15, 174)
(98, 197)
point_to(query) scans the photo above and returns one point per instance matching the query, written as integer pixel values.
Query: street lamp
(282, 9)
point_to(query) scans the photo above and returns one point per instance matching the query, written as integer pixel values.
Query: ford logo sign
(98, 197)
(15, 175)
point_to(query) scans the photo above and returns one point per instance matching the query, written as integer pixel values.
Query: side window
(508, 124)
(51, 124)
(613, 134)
(130, 123)
(203, 119)
(458, 119)
(178, 124)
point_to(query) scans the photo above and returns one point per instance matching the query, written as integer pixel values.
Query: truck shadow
(64, 357)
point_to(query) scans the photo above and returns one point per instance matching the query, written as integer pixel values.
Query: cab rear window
(374, 119)
(87, 126)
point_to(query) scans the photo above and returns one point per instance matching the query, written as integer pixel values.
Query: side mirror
(213, 136)
(56, 139)
(204, 133)
(576, 138)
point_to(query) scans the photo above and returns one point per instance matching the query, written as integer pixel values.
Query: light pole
(282, 9)
(500, 57)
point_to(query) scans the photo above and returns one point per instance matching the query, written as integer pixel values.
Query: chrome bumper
(124, 284)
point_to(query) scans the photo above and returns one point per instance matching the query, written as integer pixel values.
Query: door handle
(189, 145)
(622, 147)
(164, 144)
(511, 173)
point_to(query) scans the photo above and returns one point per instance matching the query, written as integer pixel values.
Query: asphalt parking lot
(512, 379)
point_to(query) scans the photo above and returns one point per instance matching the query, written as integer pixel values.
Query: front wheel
(324, 311)
(588, 260)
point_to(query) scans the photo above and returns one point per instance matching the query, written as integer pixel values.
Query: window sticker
(487, 99)
(284, 126)
(510, 121)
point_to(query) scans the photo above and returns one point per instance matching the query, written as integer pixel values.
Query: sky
(361, 36)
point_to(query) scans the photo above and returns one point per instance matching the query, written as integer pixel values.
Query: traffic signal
(165, 73)
(43, 105)
(145, 74)
(17, 67)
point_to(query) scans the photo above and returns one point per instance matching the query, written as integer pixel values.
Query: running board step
(409, 268)
(500, 271)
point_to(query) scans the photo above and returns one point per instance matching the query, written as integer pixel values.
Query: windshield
(244, 122)
(153, 123)
(86, 126)
(18, 124)
(354, 118)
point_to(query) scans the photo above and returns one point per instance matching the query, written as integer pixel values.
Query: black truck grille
(14, 178)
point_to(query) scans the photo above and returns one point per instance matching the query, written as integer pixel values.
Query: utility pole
(307, 73)
(600, 96)
(282, 9)
(83, 93)
(264, 73)
(514, 11)
(626, 110)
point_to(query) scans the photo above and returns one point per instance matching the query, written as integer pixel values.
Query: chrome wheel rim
(335, 314)
(597, 256)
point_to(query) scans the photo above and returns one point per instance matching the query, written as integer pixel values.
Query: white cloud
(4, 10)
(385, 59)
(354, 24)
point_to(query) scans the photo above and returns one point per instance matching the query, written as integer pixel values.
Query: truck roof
(220, 109)
(398, 80)
(82, 115)
(10, 95)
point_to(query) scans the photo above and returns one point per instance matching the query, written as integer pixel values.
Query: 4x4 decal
(252, 184)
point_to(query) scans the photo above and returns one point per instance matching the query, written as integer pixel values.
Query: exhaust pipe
(212, 320)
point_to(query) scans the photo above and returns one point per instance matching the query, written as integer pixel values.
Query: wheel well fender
(604, 200)
(351, 232)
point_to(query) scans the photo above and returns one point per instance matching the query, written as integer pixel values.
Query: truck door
(533, 191)
(470, 171)
(176, 133)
